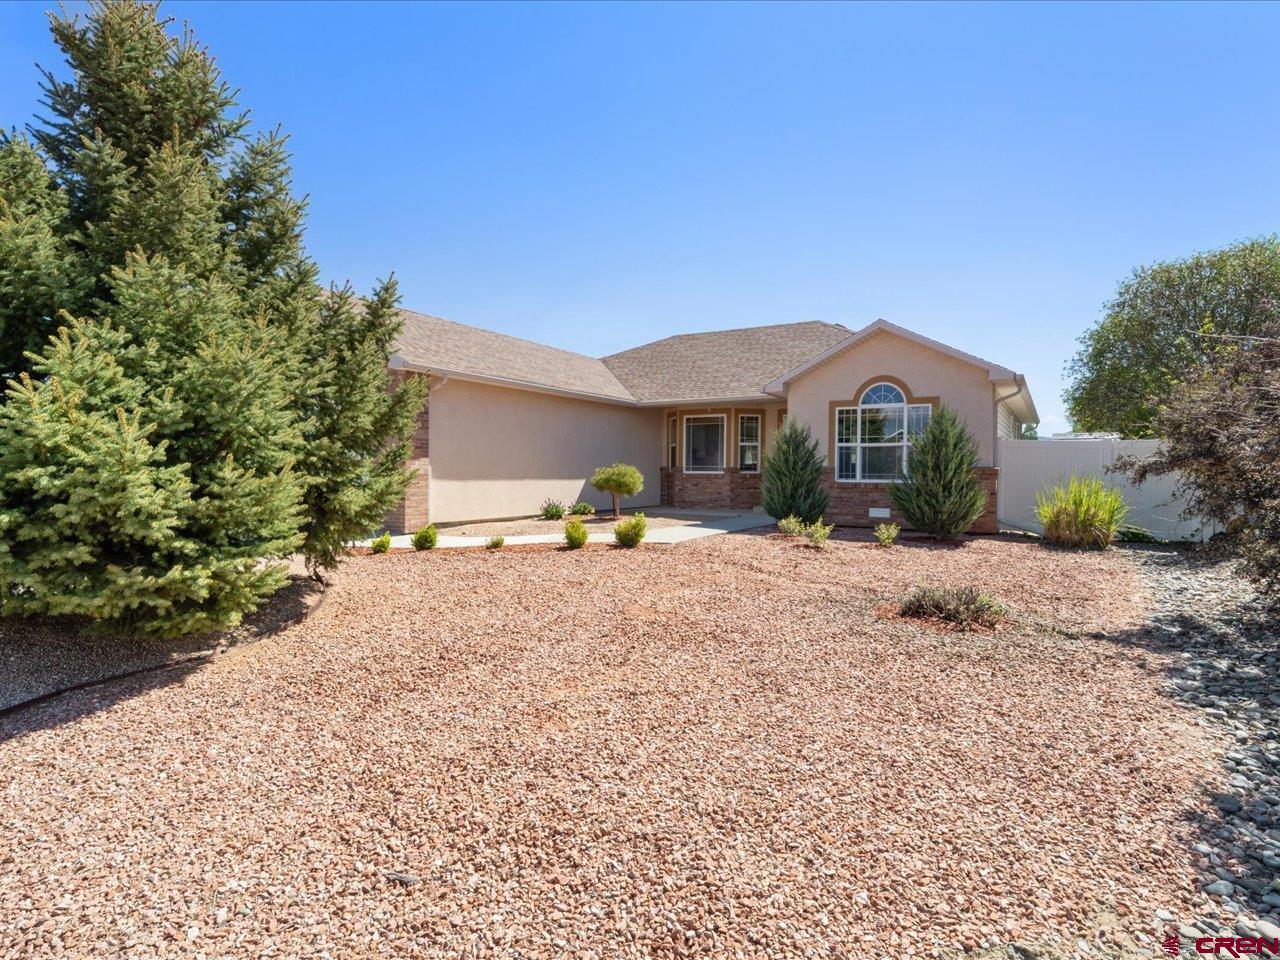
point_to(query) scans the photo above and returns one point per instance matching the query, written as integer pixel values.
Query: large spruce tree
(185, 405)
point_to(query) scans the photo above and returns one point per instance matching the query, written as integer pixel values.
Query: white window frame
(673, 441)
(757, 442)
(856, 445)
(724, 440)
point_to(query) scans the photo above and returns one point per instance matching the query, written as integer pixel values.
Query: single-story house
(511, 423)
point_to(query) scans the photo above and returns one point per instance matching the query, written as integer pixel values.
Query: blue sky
(599, 176)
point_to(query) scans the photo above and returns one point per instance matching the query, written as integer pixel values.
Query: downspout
(1021, 381)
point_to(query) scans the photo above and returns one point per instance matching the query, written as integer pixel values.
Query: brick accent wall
(744, 490)
(410, 514)
(851, 501)
(731, 490)
(666, 487)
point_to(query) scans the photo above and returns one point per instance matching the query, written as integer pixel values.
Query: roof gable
(994, 370)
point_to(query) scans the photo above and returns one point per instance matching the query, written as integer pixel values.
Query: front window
(704, 444)
(671, 443)
(873, 438)
(749, 443)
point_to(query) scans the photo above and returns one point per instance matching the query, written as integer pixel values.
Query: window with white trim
(704, 444)
(749, 442)
(873, 438)
(671, 443)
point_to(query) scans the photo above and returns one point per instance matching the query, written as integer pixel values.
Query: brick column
(410, 514)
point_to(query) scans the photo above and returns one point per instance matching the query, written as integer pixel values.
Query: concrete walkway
(717, 522)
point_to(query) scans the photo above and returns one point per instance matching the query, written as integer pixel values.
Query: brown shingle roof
(721, 364)
(443, 346)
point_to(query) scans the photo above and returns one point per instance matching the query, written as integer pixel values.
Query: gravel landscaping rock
(1223, 649)
(712, 750)
(39, 657)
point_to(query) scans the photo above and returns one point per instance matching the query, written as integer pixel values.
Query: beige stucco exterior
(489, 446)
(927, 374)
(500, 452)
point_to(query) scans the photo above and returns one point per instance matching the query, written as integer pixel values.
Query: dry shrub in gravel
(965, 607)
(495, 543)
(380, 544)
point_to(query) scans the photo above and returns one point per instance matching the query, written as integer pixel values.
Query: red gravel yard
(725, 748)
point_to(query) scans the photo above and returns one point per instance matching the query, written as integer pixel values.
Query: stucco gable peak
(994, 371)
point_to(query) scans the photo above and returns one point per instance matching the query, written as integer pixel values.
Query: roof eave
(708, 401)
(397, 362)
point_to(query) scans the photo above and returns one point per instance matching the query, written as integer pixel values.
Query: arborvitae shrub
(941, 494)
(792, 482)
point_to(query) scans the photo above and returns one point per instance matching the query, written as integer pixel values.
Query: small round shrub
(582, 509)
(380, 544)
(966, 607)
(792, 526)
(495, 543)
(887, 533)
(1083, 512)
(631, 531)
(552, 510)
(817, 533)
(575, 534)
(425, 539)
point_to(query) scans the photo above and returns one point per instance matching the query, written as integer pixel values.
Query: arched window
(872, 439)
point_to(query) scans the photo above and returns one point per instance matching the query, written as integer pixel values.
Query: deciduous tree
(1135, 357)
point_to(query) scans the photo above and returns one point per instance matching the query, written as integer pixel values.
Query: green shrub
(792, 526)
(816, 533)
(582, 509)
(631, 531)
(1128, 534)
(619, 480)
(552, 510)
(965, 606)
(792, 482)
(941, 494)
(1081, 513)
(575, 534)
(380, 544)
(887, 533)
(495, 543)
(425, 539)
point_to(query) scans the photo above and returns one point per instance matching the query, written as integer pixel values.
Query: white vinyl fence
(1027, 466)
